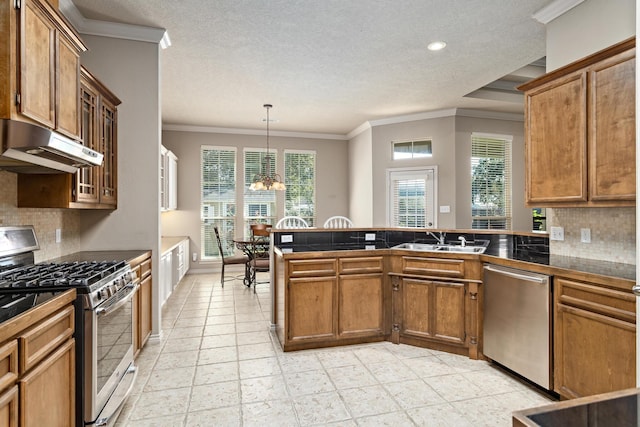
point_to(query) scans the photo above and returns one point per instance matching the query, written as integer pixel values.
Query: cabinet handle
(636, 289)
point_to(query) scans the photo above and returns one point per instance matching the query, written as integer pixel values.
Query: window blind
(300, 179)
(412, 198)
(218, 199)
(490, 182)
(259, 206)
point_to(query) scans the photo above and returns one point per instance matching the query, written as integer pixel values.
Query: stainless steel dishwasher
(517, 322)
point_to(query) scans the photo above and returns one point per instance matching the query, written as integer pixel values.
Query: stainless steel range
(105, 370)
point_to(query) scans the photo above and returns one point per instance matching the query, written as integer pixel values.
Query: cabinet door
(67, 88)
(612, 137)
(37, 73)
(360, 305)
(311, 308)
(593, 353)
(87, 179)
(434, 310)
(556, 143)
(108, 194)
(9, 407)
(48, 391)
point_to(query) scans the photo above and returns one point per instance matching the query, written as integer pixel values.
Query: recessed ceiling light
(436, 45)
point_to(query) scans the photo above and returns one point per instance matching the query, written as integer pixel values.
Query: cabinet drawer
(433, 266)
(360, 265)
(609, 302)
(312, 267)
(36, 343)
(8, 364)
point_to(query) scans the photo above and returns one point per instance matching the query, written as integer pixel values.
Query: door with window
(412, 197)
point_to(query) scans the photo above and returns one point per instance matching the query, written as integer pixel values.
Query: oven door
(108, 356)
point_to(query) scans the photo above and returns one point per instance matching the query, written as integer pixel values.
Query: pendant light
(264, 180)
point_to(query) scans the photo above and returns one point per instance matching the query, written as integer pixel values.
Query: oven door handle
(122, 301)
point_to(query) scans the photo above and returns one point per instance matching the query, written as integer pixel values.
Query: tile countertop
(168, 243)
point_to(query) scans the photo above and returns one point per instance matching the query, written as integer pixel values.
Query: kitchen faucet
(439, 238)
(463, 241)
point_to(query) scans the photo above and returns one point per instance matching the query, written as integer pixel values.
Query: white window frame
(508, 190)
(216, 215)
(311, 220)
(412, 153)
(411, 173)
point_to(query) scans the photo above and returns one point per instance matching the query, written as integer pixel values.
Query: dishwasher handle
(516, 275)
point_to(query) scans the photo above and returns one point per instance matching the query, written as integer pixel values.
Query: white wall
(442, 132)
(360, 176)
(587, 28)
(332, 191)
(131, 70)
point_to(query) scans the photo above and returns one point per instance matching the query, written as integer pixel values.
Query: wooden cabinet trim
(312, 267)
(8, 364)
(350, 265)
(37, 342)
(9, 407)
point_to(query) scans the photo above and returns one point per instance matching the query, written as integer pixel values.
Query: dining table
(252, 247)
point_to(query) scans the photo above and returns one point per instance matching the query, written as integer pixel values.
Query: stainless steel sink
(426, 247)
(417, 247)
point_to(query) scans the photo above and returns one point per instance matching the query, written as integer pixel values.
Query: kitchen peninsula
(339, 287)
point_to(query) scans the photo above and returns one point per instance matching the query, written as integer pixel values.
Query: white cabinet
(166, 276)
(181, 261)
(168, 180)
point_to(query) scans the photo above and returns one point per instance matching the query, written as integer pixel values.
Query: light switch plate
(445, 209)
(286, 238)
(58, 235)
(585, 235)
(557, 233)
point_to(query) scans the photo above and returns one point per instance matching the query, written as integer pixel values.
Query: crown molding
(554, 9)
(116, 30)
(239, 131)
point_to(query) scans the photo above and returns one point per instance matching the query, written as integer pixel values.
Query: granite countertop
(530, 255)
(126, 255)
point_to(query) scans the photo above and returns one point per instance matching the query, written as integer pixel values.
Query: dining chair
(292, 222)
(260, 258)
(338, 222)
(229, 260)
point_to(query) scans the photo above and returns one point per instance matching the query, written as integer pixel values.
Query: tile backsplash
(613, 233)
(45, 221)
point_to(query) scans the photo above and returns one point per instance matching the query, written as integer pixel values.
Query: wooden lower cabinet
(595, 339)
(329, 301)
(312, 302)
(37, 366)
(47, 393)
(360, 305)
(142, 301)
(432, 310)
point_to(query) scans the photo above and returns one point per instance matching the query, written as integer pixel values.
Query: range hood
(28, 148)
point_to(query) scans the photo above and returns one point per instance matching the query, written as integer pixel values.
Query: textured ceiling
(328, 66)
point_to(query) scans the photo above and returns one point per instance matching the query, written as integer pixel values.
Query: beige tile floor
(218, 365)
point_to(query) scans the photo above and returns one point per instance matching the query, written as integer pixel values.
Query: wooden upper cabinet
(580, 132)
(48, 66)
(612, 132)
(556, 147)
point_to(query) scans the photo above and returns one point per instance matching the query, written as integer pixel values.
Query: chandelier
(263, 180)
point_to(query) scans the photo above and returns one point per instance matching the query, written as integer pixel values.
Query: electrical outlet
(585, 235)
(445, 209)
(557, 233)
(286, 238)
(370, 237)
(194, 256)
(58, 235)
